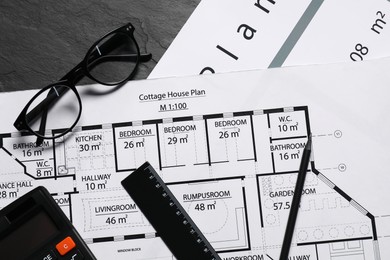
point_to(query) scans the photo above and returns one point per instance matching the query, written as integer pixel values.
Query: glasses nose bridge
(75, 75)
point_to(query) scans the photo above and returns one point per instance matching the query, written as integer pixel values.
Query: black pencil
(296, 201)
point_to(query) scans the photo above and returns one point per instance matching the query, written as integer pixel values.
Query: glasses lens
(113, 59)
(57, 107)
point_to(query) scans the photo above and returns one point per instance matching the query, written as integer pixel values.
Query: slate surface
(40, 41)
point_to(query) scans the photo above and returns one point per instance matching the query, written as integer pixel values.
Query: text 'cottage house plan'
(233, 172)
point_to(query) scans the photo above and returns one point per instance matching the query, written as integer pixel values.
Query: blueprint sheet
(233, 35)
(229, 148)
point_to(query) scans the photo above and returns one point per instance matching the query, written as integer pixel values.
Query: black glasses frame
(69, 81)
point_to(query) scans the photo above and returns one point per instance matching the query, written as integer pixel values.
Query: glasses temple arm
(42, 127)
(120, 57)
(145, 57)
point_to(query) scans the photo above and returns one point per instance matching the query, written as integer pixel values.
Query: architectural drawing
(233, 172)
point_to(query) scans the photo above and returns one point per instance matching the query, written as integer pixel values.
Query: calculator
(34, 227)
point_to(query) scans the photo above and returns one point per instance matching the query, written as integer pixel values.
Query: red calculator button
(65, 246)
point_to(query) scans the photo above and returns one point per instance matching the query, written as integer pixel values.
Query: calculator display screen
(28, 237)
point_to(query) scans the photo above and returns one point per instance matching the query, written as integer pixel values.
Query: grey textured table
(41, 41)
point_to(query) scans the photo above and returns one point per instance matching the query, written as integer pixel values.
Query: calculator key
(48, 256)
(65, 246)
(75, 255)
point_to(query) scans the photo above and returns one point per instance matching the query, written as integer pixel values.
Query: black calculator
(34, 227)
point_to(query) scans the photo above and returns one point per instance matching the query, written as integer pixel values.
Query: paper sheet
(233, 35)
(231, 157)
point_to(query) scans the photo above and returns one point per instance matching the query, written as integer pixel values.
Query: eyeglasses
(110, 61)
